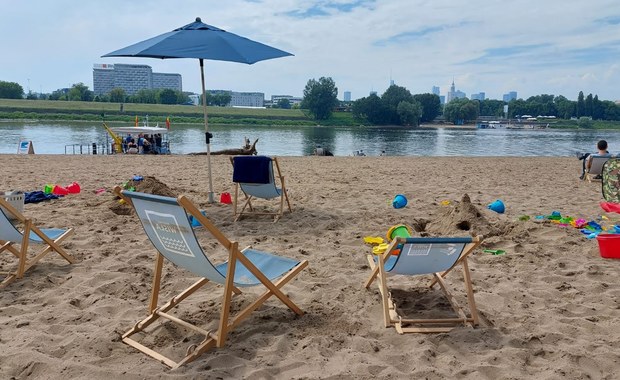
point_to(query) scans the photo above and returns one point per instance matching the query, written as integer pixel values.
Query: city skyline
(530, 47)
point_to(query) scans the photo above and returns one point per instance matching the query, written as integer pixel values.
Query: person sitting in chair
(587, 157)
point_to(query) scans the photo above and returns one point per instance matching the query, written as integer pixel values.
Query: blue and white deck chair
(254, 175)
(166, 223)
(49, 238)
(424, 256)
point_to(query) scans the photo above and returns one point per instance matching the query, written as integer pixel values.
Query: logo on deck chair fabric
(168, 232)
(427, 249)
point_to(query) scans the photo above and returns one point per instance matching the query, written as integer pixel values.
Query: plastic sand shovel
(373, 240)
(495, 252)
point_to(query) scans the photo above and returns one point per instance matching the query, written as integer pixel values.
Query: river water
(58, 138)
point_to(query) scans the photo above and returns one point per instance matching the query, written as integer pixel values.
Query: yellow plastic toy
(373, 240)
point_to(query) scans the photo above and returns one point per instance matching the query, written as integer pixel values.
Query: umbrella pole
(207, 134)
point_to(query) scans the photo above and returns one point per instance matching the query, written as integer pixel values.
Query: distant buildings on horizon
(453, 93)
(132, 78)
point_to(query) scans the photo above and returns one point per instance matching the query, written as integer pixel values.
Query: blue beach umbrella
(201, 41)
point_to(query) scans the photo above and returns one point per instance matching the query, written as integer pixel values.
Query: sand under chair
(415, 256)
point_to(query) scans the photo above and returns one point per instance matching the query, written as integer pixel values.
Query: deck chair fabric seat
(254, 176)
(166, 223)
(596, 166)
(425, 256)
(11, 236)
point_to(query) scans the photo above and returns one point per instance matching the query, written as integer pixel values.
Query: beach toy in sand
(138, 178)
(225, 198)
(73, 188)
(445, 203)
(194, 222)
(48, 189)
(497, 206)
(399, 230)
(57, 190)
(373, 240)
(100, 191)
(399, 201)
(495, 252)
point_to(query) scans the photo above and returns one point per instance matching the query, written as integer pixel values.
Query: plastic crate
(15, 199)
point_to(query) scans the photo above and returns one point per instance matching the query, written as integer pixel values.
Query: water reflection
(52, 138)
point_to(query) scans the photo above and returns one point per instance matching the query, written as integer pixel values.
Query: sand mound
(149, 185)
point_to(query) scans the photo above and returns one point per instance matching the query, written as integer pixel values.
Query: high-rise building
(512, 95)
(347, 96)
(436, 90)
(132, 78)
(479, 96)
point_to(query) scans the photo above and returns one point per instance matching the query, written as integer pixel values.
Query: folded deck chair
(11, 236)
(611, 180)
(166, 223)
(255, 177)
(425, 256)
(596, 168)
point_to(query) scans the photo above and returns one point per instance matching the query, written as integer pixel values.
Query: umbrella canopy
(201, 41)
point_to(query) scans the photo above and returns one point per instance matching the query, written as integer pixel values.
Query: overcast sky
(534, 47)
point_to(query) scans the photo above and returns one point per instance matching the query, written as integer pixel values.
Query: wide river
(58, 138)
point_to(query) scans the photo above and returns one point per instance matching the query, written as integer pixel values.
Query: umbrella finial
(198, 19)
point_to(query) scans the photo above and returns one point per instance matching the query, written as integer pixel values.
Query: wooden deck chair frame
(11, 236)
(248, 197)
(226, 322)
(596, 167)
(403, 325)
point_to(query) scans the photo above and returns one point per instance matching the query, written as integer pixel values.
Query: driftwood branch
(247, 150)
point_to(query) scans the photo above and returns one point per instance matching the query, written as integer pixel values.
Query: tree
(431, 106)
(392, 97)
(410, 113)
(320, 98)
(167, 96)
(370, 109)
(284, 104)
(80, 92)
(11, 90)
(584, 122)
(581, 105)
(589, 105)
(117, 95)
(460, 111)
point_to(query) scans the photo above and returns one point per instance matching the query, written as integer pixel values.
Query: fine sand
(549, 307)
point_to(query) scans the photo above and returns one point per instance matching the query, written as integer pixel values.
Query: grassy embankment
(47, 110)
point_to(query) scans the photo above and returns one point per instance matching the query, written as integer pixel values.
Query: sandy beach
(549, 306)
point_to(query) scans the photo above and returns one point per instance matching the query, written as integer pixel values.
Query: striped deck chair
(254, 175)
(167, 225)
(425, 256)
(10, 236)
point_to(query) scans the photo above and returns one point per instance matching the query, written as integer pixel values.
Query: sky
(532, 47)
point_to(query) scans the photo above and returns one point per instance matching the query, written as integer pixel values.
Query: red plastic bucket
(609, 245)
(225, 198)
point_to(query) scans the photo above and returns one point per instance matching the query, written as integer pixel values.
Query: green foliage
(80, 92)
(284, 104)
(320, 98)
(409, 113)
(431, 106)
(370, 109)
(460, 111)
(584, 122)
(167, 96)
(11, 90)
(117, 95)
(391, 98)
